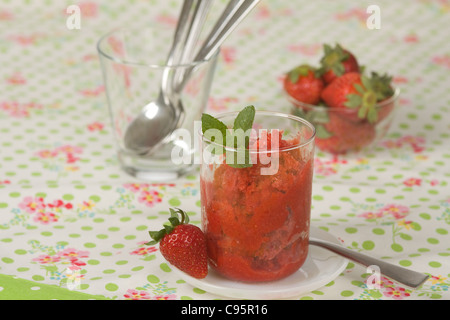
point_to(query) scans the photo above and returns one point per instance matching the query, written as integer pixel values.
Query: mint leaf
(244, 119)
(239, 139)
(209, 122)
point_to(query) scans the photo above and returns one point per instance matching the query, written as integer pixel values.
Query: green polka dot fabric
(74, 226)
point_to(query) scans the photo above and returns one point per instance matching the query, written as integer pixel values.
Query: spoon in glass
(152, 125)
(144, 134)
(405, 276)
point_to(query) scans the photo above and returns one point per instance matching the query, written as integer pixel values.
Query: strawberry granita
(257, 226)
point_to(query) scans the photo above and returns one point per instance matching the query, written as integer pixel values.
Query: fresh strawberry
(340, 135)
(304, 84)
(336, 62)
(183, 245)
(358, 92)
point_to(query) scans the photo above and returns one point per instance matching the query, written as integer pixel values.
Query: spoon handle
(193, 31)
(403, 275)
(226, 24)
(233, 14)
(173, 56)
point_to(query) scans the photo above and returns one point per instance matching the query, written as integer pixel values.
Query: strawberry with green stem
(358, 92)
(336, 62)
(304, 84)
(182, 244)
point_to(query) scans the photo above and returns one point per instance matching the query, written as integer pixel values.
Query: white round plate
(320, 268)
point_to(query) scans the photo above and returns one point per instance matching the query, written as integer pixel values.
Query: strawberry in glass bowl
(352, 110)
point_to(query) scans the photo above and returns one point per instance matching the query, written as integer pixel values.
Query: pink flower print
(18, 110)
(220, 104)
(73, 256)
(404, 101)
(71, 158)
(166, 19)
(397, 211)
(117, 46)
(25, 40)
(92, 92)
(5, 182)
(95, 126)
(162, 186)
(434, 182)
(47, 154)
(371, 215)
(16, 79)
(391, 144)
(443, 61)
(412, 182)
(6, 15)
(59, 204)
(397, 293)
(228, 54)
(77, 263)
(263, 12)
(150, 197)
(305, 49)
(143, 251)
(164, 297)
(359, 14)
(46, 259)
(45, 217)
(415, 142)
(69, 151)
(134, 294)
(32, 205)
(385, 282)
(136, 187)
(89, 9)
(411, 38)
(400, 80)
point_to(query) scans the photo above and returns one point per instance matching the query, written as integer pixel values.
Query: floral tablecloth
(73, 225)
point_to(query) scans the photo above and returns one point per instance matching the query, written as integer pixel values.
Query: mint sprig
(243, 123)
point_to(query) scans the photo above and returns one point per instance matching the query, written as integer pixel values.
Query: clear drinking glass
(257, 218)
(133, 62)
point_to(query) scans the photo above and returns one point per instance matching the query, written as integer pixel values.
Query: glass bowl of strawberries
(351, 110)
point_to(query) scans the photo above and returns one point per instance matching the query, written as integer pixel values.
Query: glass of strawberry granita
(256, 197)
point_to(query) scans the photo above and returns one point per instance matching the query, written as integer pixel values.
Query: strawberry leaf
(156, 236)
(372, 115)
(168, 229)
(363, 111)
(174, 221)
(353, 101)
(366, 82)
(359, 88)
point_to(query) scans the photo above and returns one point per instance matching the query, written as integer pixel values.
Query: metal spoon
(405, 276)
(147, 135)
(233, 14)
(152, 125)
